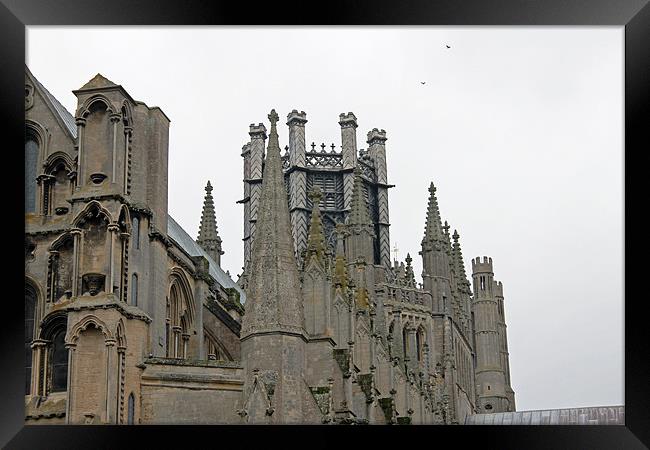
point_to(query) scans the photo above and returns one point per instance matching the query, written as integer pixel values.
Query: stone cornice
(222, 315)
(192, 362)
(84, 303)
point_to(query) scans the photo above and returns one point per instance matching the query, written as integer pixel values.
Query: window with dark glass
(59, 362)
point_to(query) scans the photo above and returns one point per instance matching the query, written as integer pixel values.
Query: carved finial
(315, 195)
(273, 117)
(322, 147)
(313, 147)
(333, 147)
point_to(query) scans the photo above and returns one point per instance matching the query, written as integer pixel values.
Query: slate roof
(184, 241)
(596, 415)
(64, 115)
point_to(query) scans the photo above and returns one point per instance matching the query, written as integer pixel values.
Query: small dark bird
(422, 82)
(448, 46)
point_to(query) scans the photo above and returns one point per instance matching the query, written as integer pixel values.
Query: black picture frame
(634, 15)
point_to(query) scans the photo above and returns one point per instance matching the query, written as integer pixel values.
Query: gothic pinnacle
(447, 239)
(359, 214)
(457, 255)
(316, 238)
(208, 238)
(433, 226)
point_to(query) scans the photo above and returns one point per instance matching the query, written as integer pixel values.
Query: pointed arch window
(134, 289)
(179, 319)
(52, 355)
(59, 362)
(31, 164)
(131, 409)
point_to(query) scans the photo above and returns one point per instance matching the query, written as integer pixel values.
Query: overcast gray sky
(520, 129)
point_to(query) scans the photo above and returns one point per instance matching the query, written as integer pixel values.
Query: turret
(490, 375)
(377, 151)
(254, 154)
(348, 123)
(298, 208)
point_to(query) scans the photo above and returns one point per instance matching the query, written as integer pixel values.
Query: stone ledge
(192, 363)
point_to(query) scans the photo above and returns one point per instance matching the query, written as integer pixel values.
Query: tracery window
(179, 319)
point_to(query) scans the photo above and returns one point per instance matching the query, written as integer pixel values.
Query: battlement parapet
(297, 118)
(257, 131)
(376, 136)
(498, 289)
(479, 266)
(348, 120)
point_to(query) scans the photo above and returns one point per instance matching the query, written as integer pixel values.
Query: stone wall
(190, 392)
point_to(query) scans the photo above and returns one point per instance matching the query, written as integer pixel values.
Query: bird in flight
(422, 82)
(448, 46)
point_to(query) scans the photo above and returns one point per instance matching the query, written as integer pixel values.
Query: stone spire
(316, 238)
(359, 214)
(273, 300)
(433, 227)
(209, 239)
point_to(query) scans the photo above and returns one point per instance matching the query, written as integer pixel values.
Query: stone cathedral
(129, 320)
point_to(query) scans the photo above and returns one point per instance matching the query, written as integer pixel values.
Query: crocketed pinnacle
(340, 266)
(208, 238)
(458, 262)
(316, 238)
(273, 299)
(359, 214)
(433, 226)
(446, 238)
